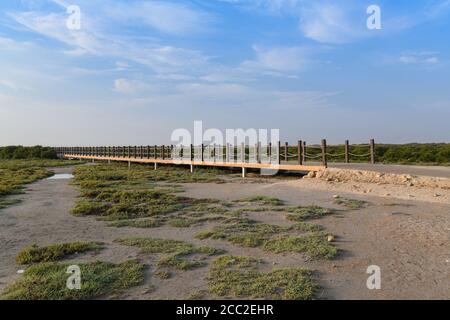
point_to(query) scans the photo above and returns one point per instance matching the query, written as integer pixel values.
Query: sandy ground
(407, 237)
(430, 171)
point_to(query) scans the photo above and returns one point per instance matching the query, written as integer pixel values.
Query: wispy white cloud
(8, 84)
(92, 40)
(132, 86)
(165, 16)
(420, 57)
(280, 59)
(330, 23)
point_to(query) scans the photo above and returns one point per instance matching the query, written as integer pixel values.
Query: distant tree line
(414, 153)
(21, 152)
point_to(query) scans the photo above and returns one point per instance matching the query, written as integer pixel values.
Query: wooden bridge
(270, 158)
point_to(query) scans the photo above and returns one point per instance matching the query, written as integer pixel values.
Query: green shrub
(55, 252)
(47, 281)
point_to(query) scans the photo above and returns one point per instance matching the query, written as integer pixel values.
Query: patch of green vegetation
(306, 213)
(55, 252)
(114, 192)
(153, 245)
(13, 180)
(352, 204)
(8, 202)
(47, 281)
(162, 274)
(197, 295)
(238, 277)
(250, 233)
(305, 227)
(185, 222)
(143, 223)
(177, 252)
(89, 208)
(242, 231)
(179, 263)
(263, 200)
(314, 245)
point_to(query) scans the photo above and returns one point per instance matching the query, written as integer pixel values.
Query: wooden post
(227, 153)
(286, 152)
(258, 152)
(243, 152)
(156, 152)
(304, 152)
(203, 151)
(148, 152)
(270, 152)
(129, 152)
(214, 153)
(192, 152)
(163, 152)
(171, 152)
(347, 151)
(324, 153)
(299, 152)
(279, 152)
(372, 151)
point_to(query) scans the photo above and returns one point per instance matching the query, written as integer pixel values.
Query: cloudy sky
(137, 70)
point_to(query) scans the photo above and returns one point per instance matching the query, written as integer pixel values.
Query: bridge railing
(270, 153)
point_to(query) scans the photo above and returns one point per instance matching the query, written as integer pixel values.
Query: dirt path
(407, 239)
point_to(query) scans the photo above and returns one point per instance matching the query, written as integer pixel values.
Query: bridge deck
(267, 166)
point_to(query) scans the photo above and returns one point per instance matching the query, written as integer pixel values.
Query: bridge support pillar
(244, 172)
(192, 168)
(129, 164)
(156, 166)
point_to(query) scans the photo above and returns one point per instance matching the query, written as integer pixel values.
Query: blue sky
(137, 70)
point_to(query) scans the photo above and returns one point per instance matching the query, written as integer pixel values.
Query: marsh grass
(114, 193)
(12, 181)
(142, 223)
(239, 277)
(8, 202)
(175, 254)
(306, 213)
(47, 281)
(55, 252)
(250, 233)
(351, 204)
(262, 200)
(242, 231)
(315, 246)
(163, 274)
